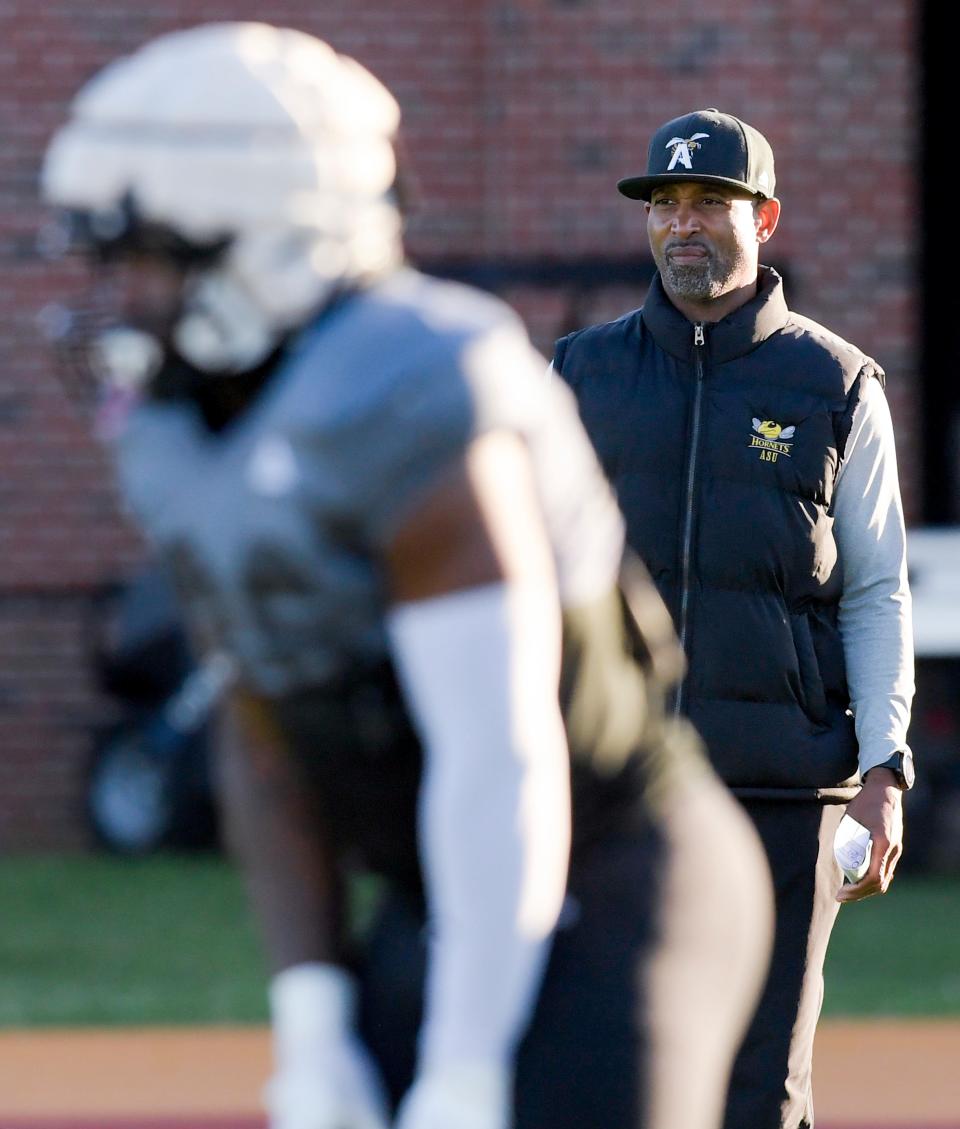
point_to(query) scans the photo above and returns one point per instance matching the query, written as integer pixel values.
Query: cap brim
(640, 187)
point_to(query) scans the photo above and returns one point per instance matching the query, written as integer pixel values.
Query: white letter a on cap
(681, 151)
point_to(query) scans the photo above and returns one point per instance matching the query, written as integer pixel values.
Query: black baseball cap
(706, 146)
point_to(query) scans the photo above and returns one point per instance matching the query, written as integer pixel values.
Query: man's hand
(879, 808)
(458, 1096)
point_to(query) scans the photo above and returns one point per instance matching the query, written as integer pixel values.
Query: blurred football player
(388, 521)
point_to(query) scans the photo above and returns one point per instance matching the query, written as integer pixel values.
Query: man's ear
(767, 217)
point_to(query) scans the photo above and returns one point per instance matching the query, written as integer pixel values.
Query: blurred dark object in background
(148, 782)
(932, 808)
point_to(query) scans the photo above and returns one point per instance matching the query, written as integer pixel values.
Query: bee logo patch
(682, 148)
(771, 439)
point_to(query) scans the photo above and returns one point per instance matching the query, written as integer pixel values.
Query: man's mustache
(684, 245)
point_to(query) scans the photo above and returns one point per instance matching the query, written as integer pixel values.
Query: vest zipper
(690, 496)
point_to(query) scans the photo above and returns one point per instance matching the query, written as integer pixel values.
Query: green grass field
(898, 954)
(101, 940)
(96, 939)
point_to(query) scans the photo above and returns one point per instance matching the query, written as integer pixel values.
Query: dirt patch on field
(152, 1072)
(880, 1074)
(888, 1073)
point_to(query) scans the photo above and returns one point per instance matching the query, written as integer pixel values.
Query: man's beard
(701, 281)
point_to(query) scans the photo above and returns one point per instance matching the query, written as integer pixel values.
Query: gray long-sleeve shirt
(875, 611)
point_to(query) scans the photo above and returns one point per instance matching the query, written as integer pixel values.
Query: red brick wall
(520, 115)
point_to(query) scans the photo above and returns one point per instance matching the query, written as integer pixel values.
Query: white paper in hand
(851, 848)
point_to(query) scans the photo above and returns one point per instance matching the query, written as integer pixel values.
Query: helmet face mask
(97, 354)
(122, 231)
(254, 158)
(118, 330)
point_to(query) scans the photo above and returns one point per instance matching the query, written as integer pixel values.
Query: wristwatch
(901, 765)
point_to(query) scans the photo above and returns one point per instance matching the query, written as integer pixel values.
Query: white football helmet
(260, 141)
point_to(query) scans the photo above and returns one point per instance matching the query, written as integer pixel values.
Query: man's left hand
(879, 808)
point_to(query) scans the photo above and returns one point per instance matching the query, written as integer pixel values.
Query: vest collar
(733, 336)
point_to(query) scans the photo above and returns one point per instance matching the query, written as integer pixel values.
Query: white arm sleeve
(480, 672)
(875, 613)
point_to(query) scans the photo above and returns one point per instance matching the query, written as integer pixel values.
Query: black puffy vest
(723, 442)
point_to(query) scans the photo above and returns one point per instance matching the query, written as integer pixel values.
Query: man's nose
(684, 220)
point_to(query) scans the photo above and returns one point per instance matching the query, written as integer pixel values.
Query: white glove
(458, 1096)
(323, 1076)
